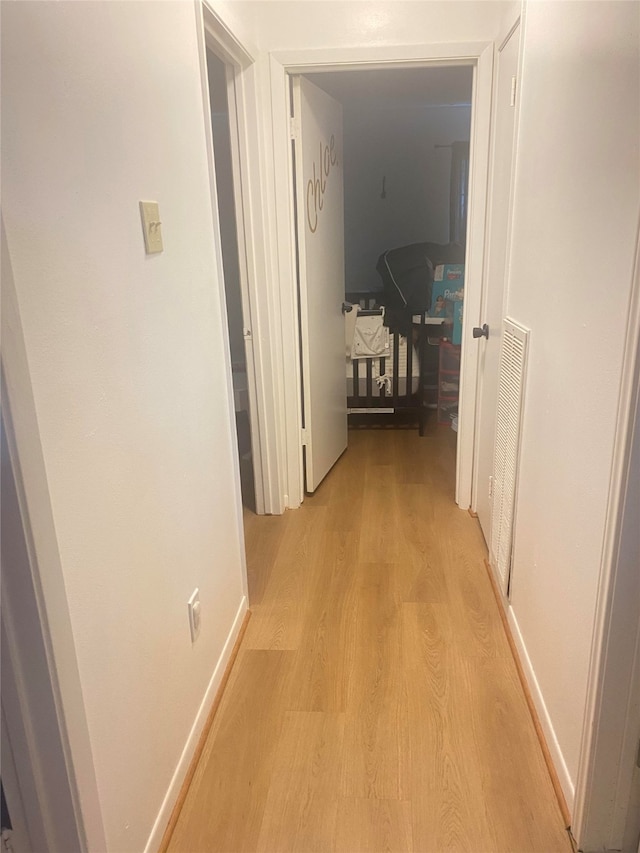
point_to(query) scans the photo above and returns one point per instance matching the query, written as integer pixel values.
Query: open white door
(493, 308)
(320, 226)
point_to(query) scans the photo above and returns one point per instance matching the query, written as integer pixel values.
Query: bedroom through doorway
(405, 160)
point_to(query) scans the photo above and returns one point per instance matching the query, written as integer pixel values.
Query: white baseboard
(160, 825)
(543, 715)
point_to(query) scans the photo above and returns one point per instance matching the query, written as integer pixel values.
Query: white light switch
(194, 614)
(151, 226)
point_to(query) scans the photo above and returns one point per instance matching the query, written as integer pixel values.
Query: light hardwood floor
(374, 704)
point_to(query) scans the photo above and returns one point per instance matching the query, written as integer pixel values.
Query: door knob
(481, 332)
(346, 307)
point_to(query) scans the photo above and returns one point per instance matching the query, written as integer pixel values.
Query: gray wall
(399, 144)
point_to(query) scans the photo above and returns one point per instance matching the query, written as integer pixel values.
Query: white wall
(511, 10)
(399, 145)
(287, 24)
(575, 218)
(101, 107)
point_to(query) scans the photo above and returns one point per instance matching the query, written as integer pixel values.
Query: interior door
(494, 293)
(320, 227)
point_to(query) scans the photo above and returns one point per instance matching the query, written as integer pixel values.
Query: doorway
(479, 56)
(395, 168)
(223, 126)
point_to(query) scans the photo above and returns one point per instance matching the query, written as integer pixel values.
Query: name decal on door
(317, 185)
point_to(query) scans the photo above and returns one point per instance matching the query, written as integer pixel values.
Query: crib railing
(376, 398)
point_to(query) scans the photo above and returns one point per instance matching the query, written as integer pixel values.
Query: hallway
(374, 704)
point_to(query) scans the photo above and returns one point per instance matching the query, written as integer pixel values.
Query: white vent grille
(508, 422)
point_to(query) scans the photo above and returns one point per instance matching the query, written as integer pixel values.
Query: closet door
(320, 227)
(504, 119)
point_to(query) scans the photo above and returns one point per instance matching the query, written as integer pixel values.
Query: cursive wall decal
(317, 185)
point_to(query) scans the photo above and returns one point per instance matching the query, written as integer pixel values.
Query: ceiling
(398, 87)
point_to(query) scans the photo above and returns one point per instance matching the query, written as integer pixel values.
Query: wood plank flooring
(374, 704)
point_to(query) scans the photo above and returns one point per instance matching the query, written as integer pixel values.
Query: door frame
(239, 57)
(42, 707)
(50, 701)
(479, 55)
(612, 710)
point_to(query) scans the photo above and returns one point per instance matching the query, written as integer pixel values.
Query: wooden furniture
(404, 389)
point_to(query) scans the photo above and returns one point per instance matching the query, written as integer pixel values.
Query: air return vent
(511, 384)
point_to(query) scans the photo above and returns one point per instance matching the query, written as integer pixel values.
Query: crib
(407, 379)
(389, 384)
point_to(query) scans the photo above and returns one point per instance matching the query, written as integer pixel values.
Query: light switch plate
(194, 614)
(151, 227)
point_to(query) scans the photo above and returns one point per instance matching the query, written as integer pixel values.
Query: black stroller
(407, 277)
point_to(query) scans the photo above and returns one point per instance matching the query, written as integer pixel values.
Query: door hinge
(293, 127)
(490, 487)
(303, 435)
(246, 334)
(514, 83)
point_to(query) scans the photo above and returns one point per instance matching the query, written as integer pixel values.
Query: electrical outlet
(194, 614)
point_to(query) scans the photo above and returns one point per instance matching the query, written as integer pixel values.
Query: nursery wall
(397, 146)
